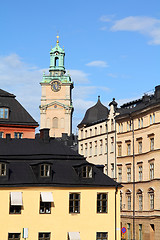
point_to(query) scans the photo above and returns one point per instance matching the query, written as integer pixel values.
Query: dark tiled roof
(17, 114)
(138, 105)
(95, 114)
(24, 156)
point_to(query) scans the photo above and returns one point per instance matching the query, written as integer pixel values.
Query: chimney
(157, 92)
(44, 134)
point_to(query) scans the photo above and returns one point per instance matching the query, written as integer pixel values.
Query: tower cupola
(57, 60)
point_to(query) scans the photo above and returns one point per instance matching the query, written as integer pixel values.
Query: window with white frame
(140, 147)
(128, 149)
(129, 200)
(2, 169)
(101, 147)
(153, 117)
(95, 148)
(142, 122)
(151, 197)
(151, 166)
(90, 148)
(128, 231)
(112, 144)
(112, 170)
(140, 199)
(139, 123)
(140, 172)
(45, 170)
(4, 113)
(119, 174)
(128, 174)
(152, 143)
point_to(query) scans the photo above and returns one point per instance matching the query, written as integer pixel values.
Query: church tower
(56, 101)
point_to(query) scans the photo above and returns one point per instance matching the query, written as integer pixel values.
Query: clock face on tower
(56, 85)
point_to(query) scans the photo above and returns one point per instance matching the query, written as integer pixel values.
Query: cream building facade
(138, 153)
(56, 100)
(97, 136)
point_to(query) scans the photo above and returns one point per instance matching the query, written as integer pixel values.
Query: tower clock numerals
(56, 85)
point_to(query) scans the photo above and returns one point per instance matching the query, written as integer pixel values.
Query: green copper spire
(57, 58)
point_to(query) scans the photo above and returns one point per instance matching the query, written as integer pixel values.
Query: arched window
(62, 122)
(151, 197)
(55, 122)
(128, 193)
(48, 123)
(139, 194)
(56, 61)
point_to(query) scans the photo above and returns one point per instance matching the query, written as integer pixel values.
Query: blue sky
(112, 49)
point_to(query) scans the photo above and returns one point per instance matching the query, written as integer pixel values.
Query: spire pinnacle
(57, 39)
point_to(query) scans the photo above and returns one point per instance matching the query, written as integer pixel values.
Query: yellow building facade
(50, 192)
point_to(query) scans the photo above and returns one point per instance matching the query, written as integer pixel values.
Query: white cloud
(78, 76)
(144, 25)
(106, 18)
(98, 63)
(112, 75)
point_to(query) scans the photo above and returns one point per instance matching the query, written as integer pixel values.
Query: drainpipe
(133, 180)
(116, 212)
(107, 145)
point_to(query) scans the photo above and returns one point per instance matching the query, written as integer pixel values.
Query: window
(101, 147)
(102, 199)
(81, 133)
(55, 122)
(150, 119)
(112, 144)
(46, 198)
(140, 198)
(121, 127)
(140, 172)
(139, 123)
(151, 197)
(128, 149)
(85, 149)
(100, 129)
(119, 150)
(90, 132)
(140, 231)
(44, 236)
(1, 134)
(139, 147)
(106, 145)
(151, 143)
(2, 169)
(95, 152)
(13, 236)
(128, 174)
(45, 207)
(18, 135)
(85, 133)
(56, 61)
(119, 174)
(90, 148)
(15, 202)
(142, 122)
(128, 231)
(45, 170)
(102, 236)
(87, 171)
(151, 170)
(95, 131)
(81, 149)
(112, 170)
(153, 117)
(4, 113)
(129, 201)
(74, 203)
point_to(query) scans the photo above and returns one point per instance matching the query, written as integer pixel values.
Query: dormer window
(4, 113)
(2, 169)
(87, 172)
(45, 170)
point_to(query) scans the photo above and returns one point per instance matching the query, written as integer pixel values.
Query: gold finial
(57, 38)
(63, 48)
